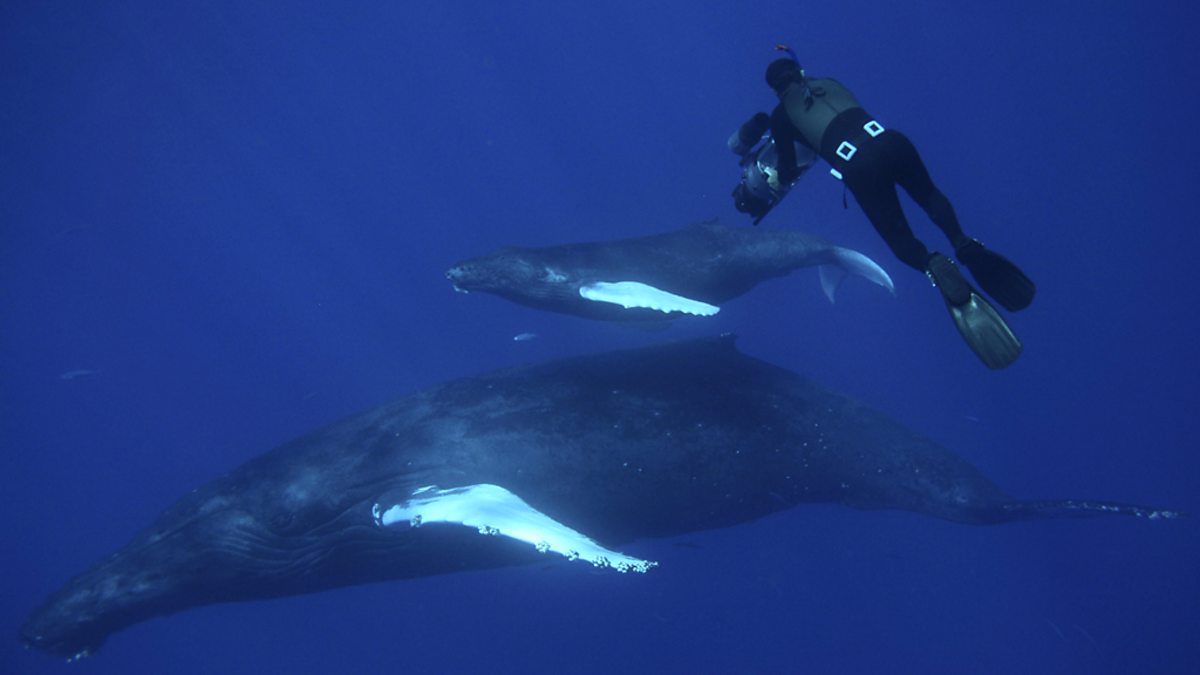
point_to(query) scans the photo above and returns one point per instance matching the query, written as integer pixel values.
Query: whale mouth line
(73, 631)
(75, 647)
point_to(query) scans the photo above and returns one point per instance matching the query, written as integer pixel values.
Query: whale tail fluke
(1079, 508)
(847, 261)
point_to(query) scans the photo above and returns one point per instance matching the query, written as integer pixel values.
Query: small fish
(73, 374)
(524, 337)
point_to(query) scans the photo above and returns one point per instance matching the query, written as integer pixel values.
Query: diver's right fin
(998, 276)
(984, 330)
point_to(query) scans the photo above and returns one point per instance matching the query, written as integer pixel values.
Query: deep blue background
(239, 216)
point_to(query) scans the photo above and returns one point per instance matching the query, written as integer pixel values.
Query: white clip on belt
(847, 149)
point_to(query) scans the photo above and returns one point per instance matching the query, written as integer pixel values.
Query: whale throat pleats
(634, 295)
(495, 511)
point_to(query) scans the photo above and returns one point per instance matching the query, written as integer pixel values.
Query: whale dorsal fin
(634, 294)
(494, 510)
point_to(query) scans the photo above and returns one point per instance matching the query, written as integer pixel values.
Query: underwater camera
(760, 188)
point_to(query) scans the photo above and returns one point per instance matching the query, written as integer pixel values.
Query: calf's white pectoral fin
(634, 294)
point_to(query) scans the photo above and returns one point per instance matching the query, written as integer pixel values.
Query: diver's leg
(912, 175)
(998, 276)
(880, 203)
(984, 331)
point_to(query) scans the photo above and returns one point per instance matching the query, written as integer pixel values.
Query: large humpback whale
(688, 271)
(570, 460)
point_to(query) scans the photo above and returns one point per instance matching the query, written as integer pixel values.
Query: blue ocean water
(225, 225)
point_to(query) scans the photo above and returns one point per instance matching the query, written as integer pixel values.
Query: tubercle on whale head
(461, 276)
(221, 542)
(508, 271)
(155, 574)
(75, 621)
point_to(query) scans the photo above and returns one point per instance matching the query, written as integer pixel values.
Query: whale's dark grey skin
(618, 446)
(707, 262)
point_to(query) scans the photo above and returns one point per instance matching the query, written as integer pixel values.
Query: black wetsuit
(822, 114)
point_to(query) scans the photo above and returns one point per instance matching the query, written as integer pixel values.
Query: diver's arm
(784, 135)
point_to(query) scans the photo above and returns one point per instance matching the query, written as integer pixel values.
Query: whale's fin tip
(848, 260)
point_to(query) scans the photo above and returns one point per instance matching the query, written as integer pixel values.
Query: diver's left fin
(998, 276)
(983, 329)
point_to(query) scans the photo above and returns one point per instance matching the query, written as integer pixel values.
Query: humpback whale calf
(569, 460)
(688, 271)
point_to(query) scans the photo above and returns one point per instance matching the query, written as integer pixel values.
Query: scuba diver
(826, 120)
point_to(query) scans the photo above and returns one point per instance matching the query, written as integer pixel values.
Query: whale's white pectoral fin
(495, 511)
(634, 294)
(849, 260)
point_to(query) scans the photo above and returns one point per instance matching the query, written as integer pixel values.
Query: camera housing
(760, 188)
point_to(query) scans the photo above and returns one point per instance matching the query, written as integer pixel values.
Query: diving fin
(980, 325)
(998, 276)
